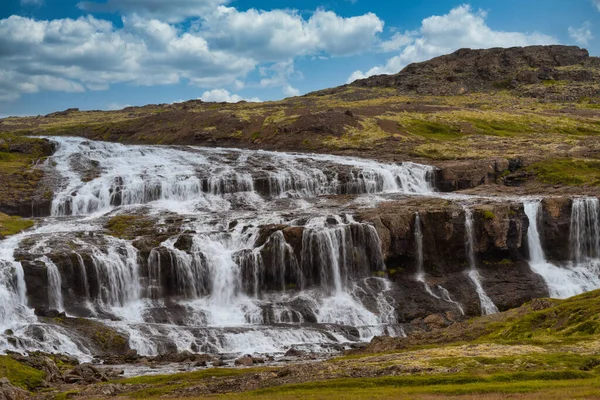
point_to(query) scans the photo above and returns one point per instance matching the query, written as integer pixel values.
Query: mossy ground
(20, 375)
(19, 180)
(13, 225)
(575, 172)
(129, 226)
(547, 349)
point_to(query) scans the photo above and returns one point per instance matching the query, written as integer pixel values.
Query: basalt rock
(521, 69)
(555, 227)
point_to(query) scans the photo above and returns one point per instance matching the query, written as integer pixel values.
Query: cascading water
(210, 286)
(585, 230)
(420, 277)
(584, 273)
(487, 305)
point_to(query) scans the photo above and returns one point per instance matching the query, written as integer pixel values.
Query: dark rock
(245, 361)
(295, 353)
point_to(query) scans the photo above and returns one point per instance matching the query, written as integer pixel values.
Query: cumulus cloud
(583, 34)
(596, 3)
(167, 10)
(290, 91)
(398, 41)
(87, 53)
(217, 50)
(222, 95)
(461, 27)
(280, 34)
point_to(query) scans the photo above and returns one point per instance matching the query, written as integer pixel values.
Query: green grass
(432, 130)
(576, 318)
(493, 127)
(449, 384)
(13, 225)
(20, 375)
(575, 172)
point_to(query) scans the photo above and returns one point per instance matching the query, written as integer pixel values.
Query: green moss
(66, 395)
(574, 172)
(128, 226)
(255, 135)
(576, 318)
(497, 127)
(13, 225)
(488, 214)
(432, 130)
(20, 375)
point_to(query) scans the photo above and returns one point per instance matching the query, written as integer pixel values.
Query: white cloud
(397, 41)
(596, 3)
(166, 10)
(217, 50)
(280, 34)
(583, 34)
(290, 91)
(117, 106)
(222, 95)
(32, 2)
(461, 27)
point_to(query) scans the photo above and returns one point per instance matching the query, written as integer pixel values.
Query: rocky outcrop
(460, 175)
(555, 228)
(516, 68)
(500, 247)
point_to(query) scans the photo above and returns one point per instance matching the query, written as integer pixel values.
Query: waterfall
(55, 299)
(209, 179)
(568, 280)
(207, 283)
(487, 305)
(585, 230)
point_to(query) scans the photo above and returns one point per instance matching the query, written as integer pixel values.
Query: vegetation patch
(13, 225)
(20, 375)
(432, 130)
(129, 226)
(575, 172)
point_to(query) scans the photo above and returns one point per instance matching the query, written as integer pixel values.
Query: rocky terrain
(131, 241)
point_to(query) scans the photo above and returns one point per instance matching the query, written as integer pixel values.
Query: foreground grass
(20, 375)
(386, 388)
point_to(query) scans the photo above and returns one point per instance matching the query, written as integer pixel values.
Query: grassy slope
(19, 181)
(381, 123)
(545, 349)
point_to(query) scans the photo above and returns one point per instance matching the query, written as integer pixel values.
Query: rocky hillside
(556, 73)
(526, 119)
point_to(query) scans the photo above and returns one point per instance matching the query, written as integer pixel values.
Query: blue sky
(107, 54)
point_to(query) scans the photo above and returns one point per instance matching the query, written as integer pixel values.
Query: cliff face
(521, 69)
(293, 258)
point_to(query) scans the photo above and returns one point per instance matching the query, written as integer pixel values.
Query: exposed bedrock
(459, 175)
(500, 250)
(98, 272)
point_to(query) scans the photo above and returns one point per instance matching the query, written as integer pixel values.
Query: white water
(217, 296)
(585, 230)
(487, 305)
(583, 274)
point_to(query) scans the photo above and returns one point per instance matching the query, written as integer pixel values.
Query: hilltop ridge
(529, 71)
